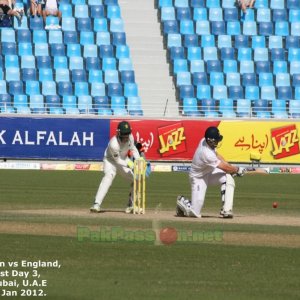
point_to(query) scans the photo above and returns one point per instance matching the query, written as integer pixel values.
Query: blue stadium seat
(92, 63)
(294, 108)
(197, 3)
(75, 62)
(131, 90)
(263, 15)
(216, 78)
(84, 24)
(183, 13)
(177, 52)
(11, 61)
(261, 54)
(78, 75)
(203, 92)
(197, 66)
(284, 92)
(180, 65)
(225, 106)
(52, 101)
(55, 37)
(85, 103)
(48, 88)
(41, 49)
(36, 23)
(249, 79)
(103, 38)
(252, 92)
(12, 74)
(87, 38)
(186, 91)
(118, 38)
(199, 78)
(194, 53)
(58, 50)
(32, 88)
(3, 88)
(134, 104)
(101, 102)
(122, 51)
(117, 102)
(82, 11)
(36, 101)
(20, 25)
(296, 80)
(207, 41)
(294, 15)
(294, 68)
(213, 66)
(220, 92)
(109, 63)
(24, 36)
(62, 75)
(106, 51)
(243, 108)
(233, 79)
(95, 75)
(210, 53)
(66, 10)
(69, 101)
(183, 78)
(45, 74)
(202, 27)
(168, 13)
(233, 28)
(248, 16)
(282, 79)
(68, 24)
(28, 61)
(218, 27)
(15, 87)
(263, 67)
(114, 89)
(278, 54)
(235, 92)
(70, 37)
(260, 105)
(111, 76)
(279, 15)
(9, 48)
(186, 27)
(5, 101)
(224, 41)
(244, 54)
(20, 101)
(100, 24)
(29, 74)
(73, 50)
(282, 28)
(275, 42)
(281, 67)
(116, 25)
(293, 54)
(174, 40)
(81, 89)
(267, 92)
(292, 42)
(97, 11)
(279, 109)
(190, 40)
(90, 51)
(297, 93)
(60, 62)
(215, 14)
(200, 14)
(229, 66)
(258, 42)
(65, 88)
(25, 49)
(241, 41)
(295, 28)
(261, 4)
(265, 79)
(277, 4)
(208, 105)
(98, 89)
(189, 105)
(246, 66)
(250, 28)
(230, 14)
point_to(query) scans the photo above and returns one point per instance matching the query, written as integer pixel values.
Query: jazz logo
(285, 141)
(172, 139)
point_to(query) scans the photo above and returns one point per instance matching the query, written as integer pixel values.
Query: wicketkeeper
(209, 168)
(116, 161)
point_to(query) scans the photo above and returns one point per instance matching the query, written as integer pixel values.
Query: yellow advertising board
(269, 142)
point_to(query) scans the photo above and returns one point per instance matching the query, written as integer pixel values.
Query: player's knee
(229, 180)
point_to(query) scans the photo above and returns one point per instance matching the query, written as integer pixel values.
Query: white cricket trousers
(199, 187)
(111, 169)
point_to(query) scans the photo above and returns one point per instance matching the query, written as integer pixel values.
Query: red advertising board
(167, 139)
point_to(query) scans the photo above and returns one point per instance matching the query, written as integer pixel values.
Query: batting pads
(229, 193)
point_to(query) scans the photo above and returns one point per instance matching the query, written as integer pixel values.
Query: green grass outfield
(42, 212)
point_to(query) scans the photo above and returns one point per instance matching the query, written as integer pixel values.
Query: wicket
(139, 186)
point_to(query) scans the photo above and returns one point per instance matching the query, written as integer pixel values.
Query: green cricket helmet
(123, 129)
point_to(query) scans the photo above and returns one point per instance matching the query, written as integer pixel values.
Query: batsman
(116, 161)
(209, 168)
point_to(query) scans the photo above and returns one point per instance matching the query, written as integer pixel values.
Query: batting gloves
(240, 172)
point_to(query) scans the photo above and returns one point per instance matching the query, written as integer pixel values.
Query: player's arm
(133, 149)
(114, 153)
(229, 168)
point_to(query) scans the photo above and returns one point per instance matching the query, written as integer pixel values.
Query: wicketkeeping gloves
(130, 164)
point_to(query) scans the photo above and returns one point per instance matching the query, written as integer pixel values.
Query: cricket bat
(254, 171)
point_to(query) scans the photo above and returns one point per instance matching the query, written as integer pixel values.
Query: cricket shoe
(226, 214)
(95, 208)
(183, 206)
(129, 210)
